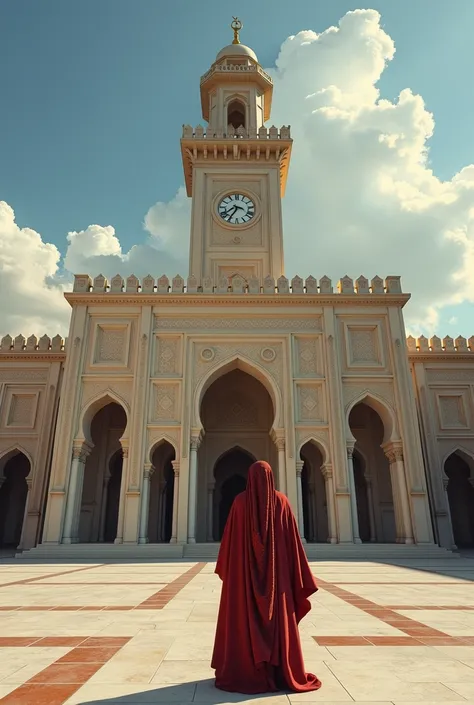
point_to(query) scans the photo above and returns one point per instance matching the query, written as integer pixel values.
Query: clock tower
(235, 172)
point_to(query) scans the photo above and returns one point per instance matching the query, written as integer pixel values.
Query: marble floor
(130, 633)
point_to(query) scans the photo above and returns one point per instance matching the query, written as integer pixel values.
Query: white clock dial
(236, 209)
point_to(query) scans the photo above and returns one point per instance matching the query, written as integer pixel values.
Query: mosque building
(132, 437)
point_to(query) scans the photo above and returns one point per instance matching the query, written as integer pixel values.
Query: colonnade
(393, 452)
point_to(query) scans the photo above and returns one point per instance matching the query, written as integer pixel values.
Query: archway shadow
(203, 692)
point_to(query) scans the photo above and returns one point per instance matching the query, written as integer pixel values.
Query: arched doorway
(237, 414)
(461, 499)
(13, 496)
(103, 476)
(112, 498)
(230, 474)
(160, 517)
(236, 114)
(315, 513)
(373, 486)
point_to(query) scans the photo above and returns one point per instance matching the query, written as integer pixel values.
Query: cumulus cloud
(361, 196)
(31, 289)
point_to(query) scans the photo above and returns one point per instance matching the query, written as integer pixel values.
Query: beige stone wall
(443, 377)
(30, 381)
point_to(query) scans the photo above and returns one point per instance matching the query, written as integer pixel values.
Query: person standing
(266, 583)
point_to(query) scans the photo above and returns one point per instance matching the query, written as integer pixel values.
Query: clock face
(236, 209)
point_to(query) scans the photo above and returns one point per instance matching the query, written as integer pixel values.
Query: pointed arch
(384, 410)
(464, 454)
(252, 368)
(237, 447)
(9, 453)
(93, 406)
(157, 442)
(320, 445)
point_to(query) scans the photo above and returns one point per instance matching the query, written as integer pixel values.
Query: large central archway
(237, 414)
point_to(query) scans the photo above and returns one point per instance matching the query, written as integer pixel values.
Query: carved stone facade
(141, 428)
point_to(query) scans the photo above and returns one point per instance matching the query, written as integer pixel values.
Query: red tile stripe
(58, 682)
(429, 607)
(156, 601)
(445, 640)
(26, 581)
(408, 626)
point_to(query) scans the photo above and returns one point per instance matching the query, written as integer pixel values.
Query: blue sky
(95, 92)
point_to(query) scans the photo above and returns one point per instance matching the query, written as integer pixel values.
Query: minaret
(235, 171)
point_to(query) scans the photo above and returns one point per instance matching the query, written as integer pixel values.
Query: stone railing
(83, 283)
(263, 133)
(45, 344)
(435, 345)
(235, 68)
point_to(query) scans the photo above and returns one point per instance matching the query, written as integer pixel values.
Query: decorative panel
(363, 346)
(452, 410)
(165, 403)
(310, 405)
(111, 345)
(168, 360)
(308, 357)
(21, 410)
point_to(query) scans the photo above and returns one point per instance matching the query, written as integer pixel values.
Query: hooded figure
(266, 585)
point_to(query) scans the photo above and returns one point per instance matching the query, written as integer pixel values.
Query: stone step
(209, 551)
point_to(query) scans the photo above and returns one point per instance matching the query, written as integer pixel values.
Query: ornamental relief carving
(303, 435)
(166, 402)
(232, 324)
(363, 345)
(452, 411)
(308, 357)
(247, 238)
(352, 391)
(22, 410)
(112, 344)
(90, 390)
(23, 376)
(310, 403)
(251, 351)
(454, 375)
(156, 434)
(168, 356)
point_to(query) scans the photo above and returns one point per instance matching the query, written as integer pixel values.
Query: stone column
(326, 471)
(210, 507)
(280, 444)
(193, 472)
(123, 490)
(162, 507)
(74, 494)
(312, 530)
(174, 530)
(103, 506)
(352, 490)
(145, 503)
(29, 483)
(445, 485)
(370, 501)
(299, 494)
(394, 454)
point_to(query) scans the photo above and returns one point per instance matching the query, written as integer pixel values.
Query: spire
(236, 25)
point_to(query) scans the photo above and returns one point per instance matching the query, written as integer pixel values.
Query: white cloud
(31, 291)
(361, 196)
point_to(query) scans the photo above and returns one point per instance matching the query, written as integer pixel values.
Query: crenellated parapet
(254, 71)
(253, 287)
(432, 347)
(32, 345)
(241, 133)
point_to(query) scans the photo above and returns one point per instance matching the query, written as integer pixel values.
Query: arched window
(236, 114)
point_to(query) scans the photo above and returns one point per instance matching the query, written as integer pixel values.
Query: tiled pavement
(135, 633)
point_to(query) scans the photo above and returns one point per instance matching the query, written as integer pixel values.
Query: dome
(236, 50)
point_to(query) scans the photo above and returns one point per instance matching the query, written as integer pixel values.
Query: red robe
(266, 584)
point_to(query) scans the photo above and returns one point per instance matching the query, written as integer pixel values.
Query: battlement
(438, 346)
(263, 133)
(84, 284)
(20, 344)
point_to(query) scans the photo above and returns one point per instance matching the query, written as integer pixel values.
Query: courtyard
(135, 633)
